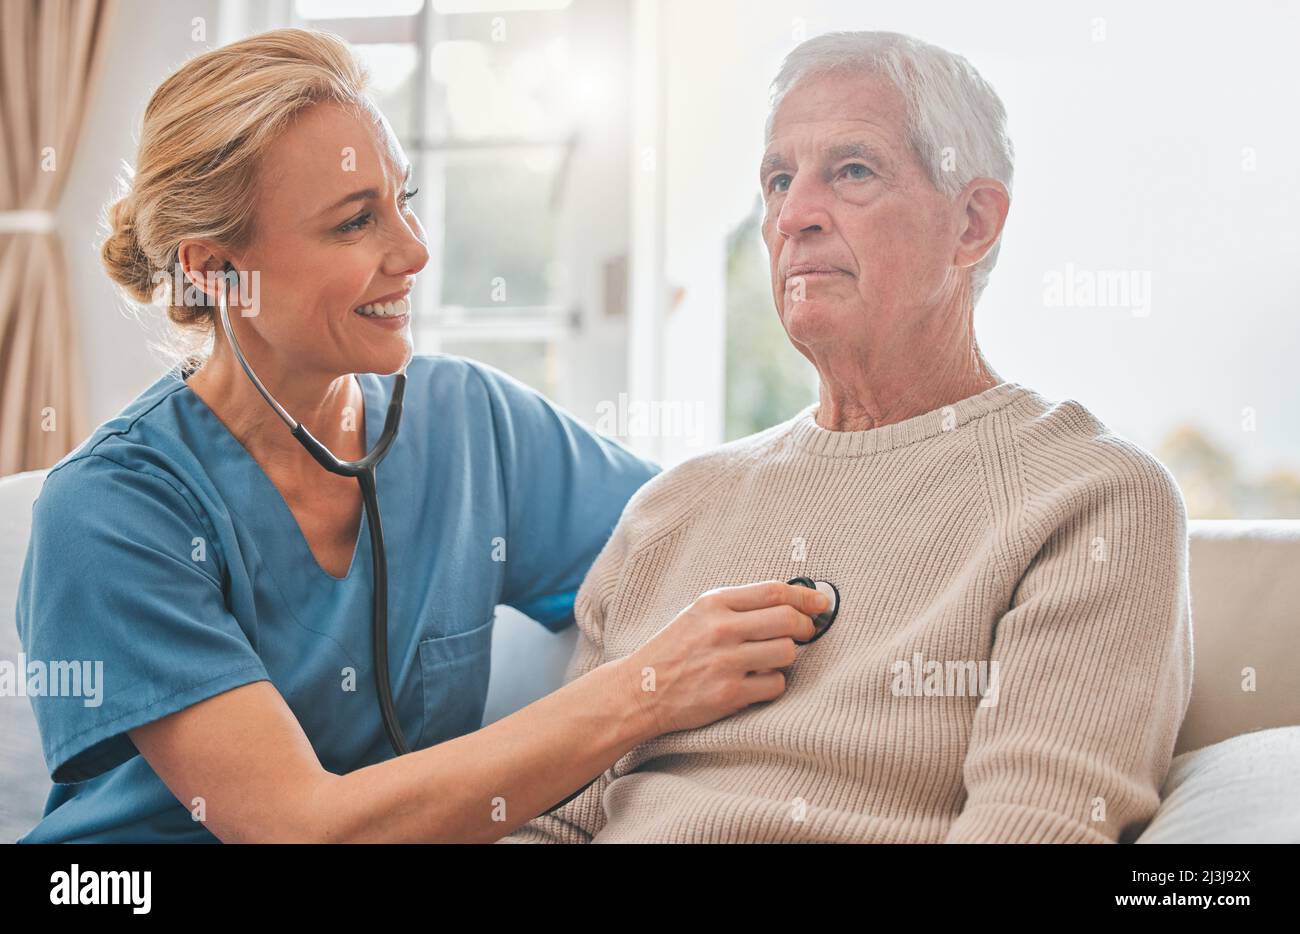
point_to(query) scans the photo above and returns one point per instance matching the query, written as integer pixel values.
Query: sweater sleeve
(582, 818)
(1093, 669)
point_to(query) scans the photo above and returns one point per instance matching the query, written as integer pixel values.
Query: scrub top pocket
(455, 671)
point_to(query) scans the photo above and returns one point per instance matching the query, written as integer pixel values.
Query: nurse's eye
(363, 220)
(357, 223)
(778, 183)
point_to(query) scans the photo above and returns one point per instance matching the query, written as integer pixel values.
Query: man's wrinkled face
(857, 235)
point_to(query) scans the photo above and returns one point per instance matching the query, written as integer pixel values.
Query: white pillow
(1243, 790)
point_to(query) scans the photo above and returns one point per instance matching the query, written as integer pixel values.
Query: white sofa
(1236, 773)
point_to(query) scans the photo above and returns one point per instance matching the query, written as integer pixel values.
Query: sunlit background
(587, 176)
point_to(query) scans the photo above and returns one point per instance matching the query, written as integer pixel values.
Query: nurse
(221, 576)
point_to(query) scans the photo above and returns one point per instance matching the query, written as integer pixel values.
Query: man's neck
(856, 399)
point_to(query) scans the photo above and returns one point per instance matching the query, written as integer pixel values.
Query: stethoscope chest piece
(822, 621)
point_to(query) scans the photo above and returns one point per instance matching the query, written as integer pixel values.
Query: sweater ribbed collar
(807, 434)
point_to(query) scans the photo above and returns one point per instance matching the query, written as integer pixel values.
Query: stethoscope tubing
(364, 472)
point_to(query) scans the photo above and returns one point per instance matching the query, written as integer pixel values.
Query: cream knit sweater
(1004, 545)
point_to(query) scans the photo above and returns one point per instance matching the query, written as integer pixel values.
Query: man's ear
(985, 203)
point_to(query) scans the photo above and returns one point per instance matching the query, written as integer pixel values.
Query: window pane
(500, 235)
(502, 76)
(392, 71)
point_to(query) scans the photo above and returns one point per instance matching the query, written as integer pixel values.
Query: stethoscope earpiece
(824, 619)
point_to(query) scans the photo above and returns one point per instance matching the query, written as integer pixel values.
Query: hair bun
(123, 256)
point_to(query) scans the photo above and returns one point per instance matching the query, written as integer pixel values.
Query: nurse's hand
(722, 653)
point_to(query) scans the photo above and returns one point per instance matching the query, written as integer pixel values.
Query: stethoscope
(364, 471)
(822, 621)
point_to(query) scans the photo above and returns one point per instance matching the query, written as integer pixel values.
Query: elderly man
(1012, 658)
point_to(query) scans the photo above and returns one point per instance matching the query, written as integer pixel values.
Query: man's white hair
(955, 122)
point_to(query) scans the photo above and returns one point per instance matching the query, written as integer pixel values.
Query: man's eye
(778, 183)
(857, 171)
(408, 195)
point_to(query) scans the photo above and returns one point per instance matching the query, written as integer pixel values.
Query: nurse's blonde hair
(205, 130)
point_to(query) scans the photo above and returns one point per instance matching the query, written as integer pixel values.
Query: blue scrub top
(161, 549)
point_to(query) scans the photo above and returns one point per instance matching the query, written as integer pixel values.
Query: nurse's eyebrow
(365, 194)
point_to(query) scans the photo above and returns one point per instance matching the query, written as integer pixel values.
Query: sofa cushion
(1246, 635)
(1241, 790)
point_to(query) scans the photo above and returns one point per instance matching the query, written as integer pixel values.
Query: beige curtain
(51, 53)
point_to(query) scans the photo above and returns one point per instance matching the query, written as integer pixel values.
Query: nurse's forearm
(481, 786)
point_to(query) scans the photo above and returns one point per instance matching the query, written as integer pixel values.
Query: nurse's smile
(392, 312)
